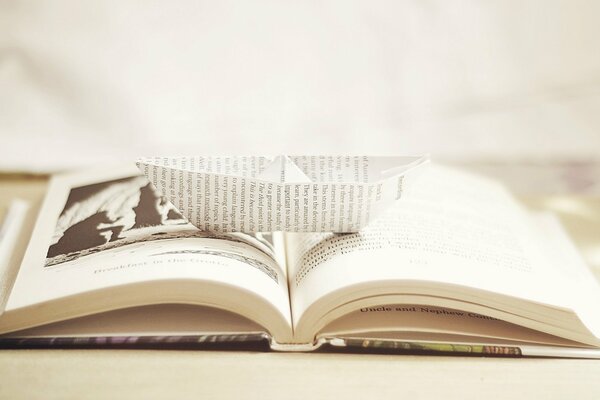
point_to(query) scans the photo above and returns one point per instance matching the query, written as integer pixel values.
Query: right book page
(456, 240)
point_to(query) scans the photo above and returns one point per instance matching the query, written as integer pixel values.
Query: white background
(85, 82)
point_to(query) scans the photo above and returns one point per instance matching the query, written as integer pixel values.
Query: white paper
(283, 193)
(9, 237)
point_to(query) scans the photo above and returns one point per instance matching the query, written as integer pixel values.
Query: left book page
(106, 240)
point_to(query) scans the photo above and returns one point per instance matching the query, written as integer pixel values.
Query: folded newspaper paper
(283, 193)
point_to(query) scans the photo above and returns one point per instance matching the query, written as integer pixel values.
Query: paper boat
(282, 193)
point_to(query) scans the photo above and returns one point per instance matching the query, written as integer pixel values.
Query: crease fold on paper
(283, 193)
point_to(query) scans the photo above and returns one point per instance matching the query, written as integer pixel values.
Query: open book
(456, 266)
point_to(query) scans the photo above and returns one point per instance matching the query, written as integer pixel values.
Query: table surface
(185, 374)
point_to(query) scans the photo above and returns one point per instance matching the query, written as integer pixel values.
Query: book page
(155, 320)
(584, 290)
(452, 228)
(105, 231)
(389, 320)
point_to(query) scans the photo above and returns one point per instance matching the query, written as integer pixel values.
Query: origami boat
(282, 193)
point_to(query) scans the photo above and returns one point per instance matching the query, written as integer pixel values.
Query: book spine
(297, 347)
